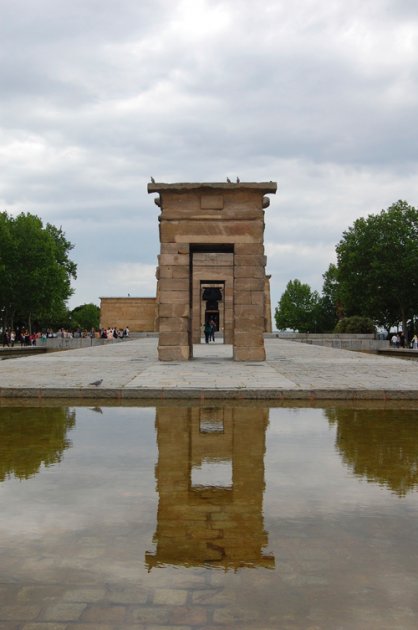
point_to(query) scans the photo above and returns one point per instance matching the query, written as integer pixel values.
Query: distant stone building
(138, 313)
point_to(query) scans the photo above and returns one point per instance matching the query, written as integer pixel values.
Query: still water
(208, 518)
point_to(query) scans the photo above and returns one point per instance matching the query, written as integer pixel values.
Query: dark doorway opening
(212, 296)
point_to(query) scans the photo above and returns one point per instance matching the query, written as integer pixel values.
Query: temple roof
(263, 187)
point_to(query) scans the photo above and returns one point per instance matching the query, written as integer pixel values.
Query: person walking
(207, 329)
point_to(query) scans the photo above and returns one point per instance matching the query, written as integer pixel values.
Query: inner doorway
(212, 305)
(212, 291)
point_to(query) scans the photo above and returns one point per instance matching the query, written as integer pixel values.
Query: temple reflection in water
(210, 480)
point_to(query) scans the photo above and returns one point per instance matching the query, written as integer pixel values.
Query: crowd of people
(26, 338)
(21, 336)
(114, 333)
(9, 338)
(398, 341)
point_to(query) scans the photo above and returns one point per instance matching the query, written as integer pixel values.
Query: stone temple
(212, 266)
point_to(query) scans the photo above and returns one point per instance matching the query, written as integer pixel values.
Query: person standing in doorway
(212, 325)
(207, 329)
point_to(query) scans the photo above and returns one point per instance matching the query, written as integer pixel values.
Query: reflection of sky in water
(109, 467)
(109, 470)
(305, 473)
(213, 473)
(211, 426)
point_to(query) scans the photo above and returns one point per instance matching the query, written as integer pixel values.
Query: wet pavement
(131, 370)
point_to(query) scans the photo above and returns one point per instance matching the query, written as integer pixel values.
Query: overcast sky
(98, 95)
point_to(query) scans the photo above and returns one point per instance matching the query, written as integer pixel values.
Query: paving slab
(131, 370)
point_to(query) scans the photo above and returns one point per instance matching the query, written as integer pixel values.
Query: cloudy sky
(98, 95)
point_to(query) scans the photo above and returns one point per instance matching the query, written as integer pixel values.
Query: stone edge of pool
(206, 394)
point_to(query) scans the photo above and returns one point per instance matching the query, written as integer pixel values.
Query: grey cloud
(97, 97)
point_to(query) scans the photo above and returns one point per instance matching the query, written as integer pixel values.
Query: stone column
(249, 302)
(174, 302)
(268, 322)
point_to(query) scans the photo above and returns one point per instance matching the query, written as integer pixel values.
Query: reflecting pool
(195, 517)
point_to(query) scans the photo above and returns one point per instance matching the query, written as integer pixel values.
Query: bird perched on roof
(238, 180)
(228, 180)
(97, 383)
(152, 180)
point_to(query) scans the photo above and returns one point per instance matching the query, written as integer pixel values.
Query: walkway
(130, 370)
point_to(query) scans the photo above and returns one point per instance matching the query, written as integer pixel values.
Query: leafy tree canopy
(378, 266)
(331, 291)
(296, 308)
(86, 316)
(35, 269)
(305, 310)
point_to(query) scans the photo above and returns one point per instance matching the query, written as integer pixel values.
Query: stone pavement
(130, 370)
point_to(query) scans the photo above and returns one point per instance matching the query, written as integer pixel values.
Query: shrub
(356, 325)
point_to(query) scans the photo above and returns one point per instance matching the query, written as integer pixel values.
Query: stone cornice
(263, 187)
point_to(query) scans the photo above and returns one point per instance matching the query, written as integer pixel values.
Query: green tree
(325, 317)
(6, 269)
(35, 269)
(378, 266)
(297, 308)
(86, 316)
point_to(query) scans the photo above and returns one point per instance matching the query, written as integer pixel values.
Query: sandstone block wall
(139, 314)
(173, 301)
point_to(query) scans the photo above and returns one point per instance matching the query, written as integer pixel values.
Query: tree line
(35, 276)
(373, 283)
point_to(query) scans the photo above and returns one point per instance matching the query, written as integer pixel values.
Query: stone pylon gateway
(211, 266)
